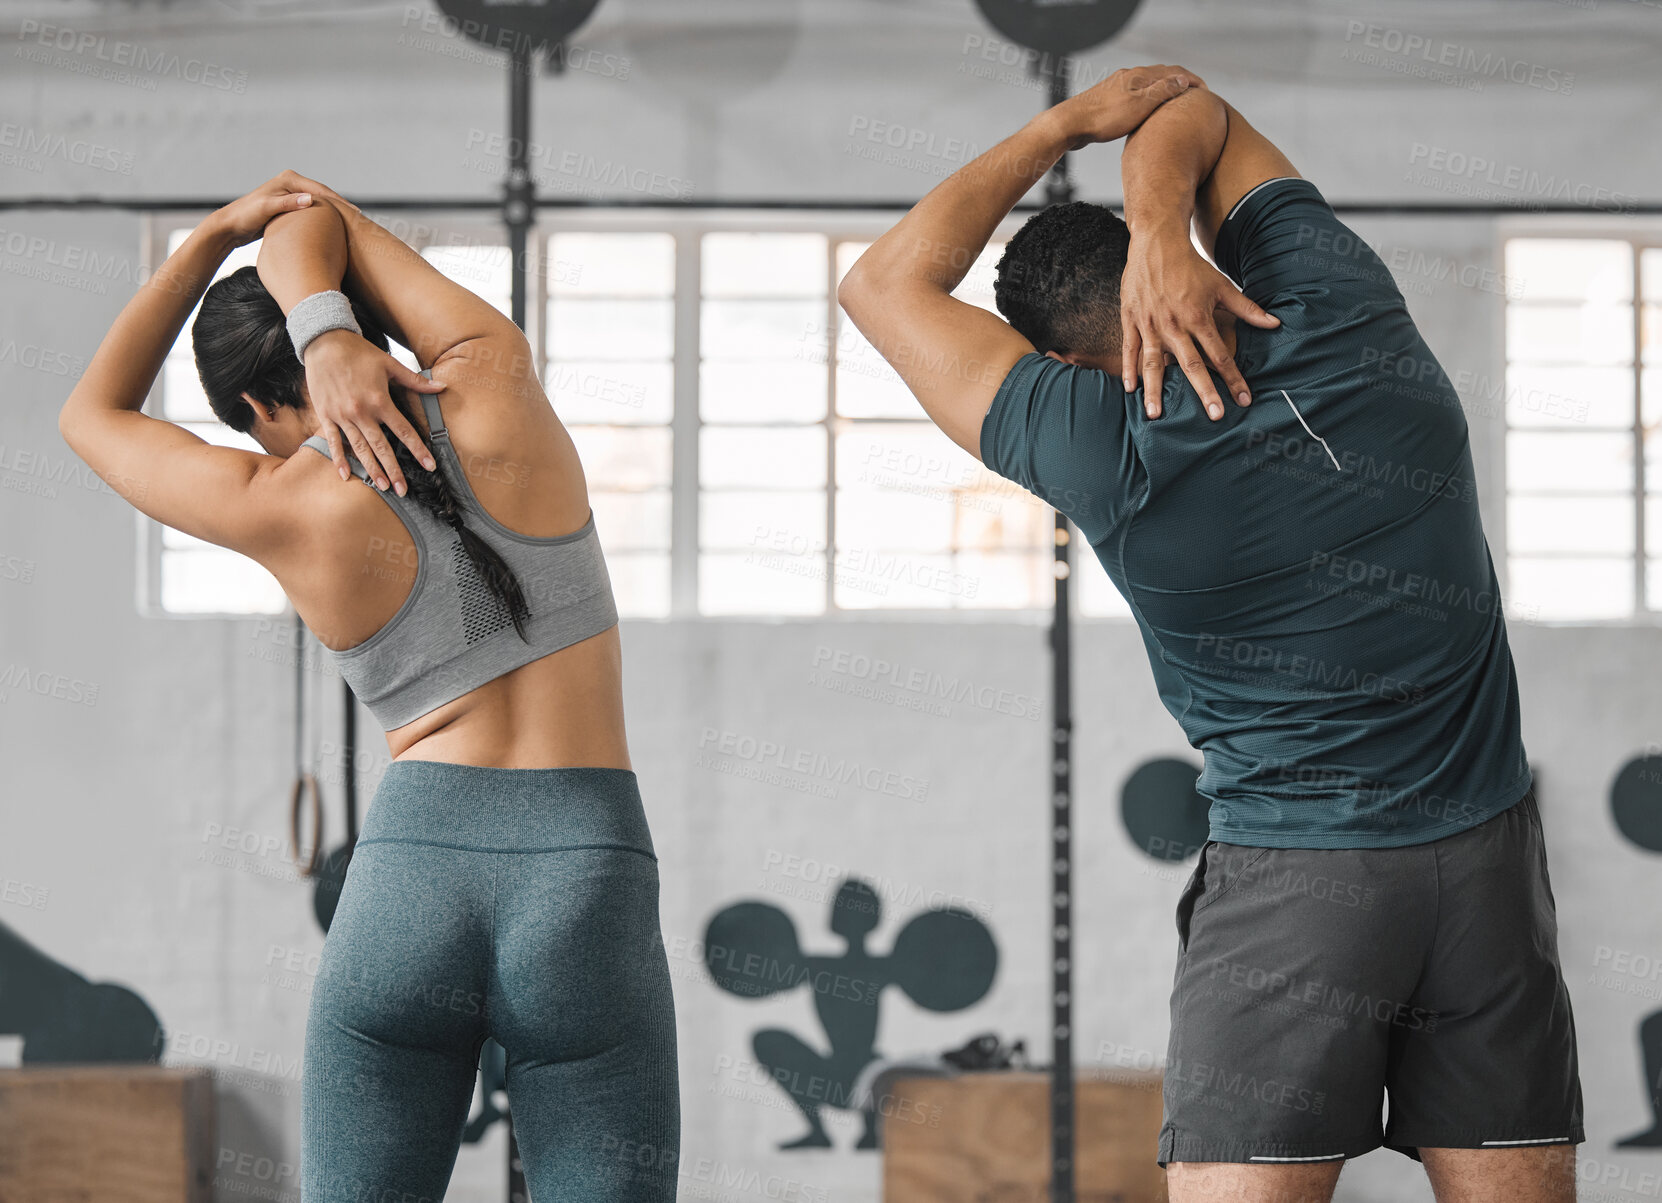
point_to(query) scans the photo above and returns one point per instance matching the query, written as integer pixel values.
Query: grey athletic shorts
(1313, 983)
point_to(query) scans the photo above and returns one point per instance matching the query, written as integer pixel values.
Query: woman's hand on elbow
(347, 380)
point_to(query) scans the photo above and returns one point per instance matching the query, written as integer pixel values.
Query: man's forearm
(938, 241)
(1166, 159)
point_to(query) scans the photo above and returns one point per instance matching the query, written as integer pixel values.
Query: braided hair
(241, 344)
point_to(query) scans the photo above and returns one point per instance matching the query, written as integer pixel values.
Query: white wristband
(318, 314)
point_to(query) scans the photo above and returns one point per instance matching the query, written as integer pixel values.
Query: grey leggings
(520, 904)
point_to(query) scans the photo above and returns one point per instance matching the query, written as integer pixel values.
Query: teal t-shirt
(1309, 573)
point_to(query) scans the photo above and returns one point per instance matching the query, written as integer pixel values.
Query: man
(1372, 913)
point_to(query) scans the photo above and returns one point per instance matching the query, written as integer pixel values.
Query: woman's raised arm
(306, 252)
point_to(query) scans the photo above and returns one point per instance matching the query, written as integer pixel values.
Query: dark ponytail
(241, 344)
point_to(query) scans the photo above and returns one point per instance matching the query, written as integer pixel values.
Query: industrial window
(747, 452)
(1583, 406)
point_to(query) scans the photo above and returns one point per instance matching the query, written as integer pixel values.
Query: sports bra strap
(435, 419)
(320, 445)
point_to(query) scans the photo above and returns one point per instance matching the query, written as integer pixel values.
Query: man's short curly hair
(1058, 283)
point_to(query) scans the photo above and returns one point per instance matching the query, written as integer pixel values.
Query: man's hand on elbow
(1170, 300)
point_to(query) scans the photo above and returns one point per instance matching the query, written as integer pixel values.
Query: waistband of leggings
(484, 809)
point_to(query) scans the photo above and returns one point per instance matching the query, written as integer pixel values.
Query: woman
(504, 884)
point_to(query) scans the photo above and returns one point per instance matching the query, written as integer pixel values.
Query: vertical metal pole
(1059, 190)
(519, 196)
(1641, 595)
(518, 208)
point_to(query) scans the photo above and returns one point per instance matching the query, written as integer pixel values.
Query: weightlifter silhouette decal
(1636, 805)
(943, 960)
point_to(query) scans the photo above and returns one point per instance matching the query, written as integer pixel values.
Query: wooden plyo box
(985, 1138)
(106, 1134)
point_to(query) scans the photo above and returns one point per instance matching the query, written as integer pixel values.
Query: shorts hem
(1537, 1136)
(1184, 1147)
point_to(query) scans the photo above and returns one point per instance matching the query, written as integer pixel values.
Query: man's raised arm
(953, 355)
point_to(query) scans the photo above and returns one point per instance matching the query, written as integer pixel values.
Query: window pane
(612, 265)
(1569, 397)
(484, 270)
(847, 253)
(761, 581)
(182, 397)
(867, 387)
(1653, 524)
(1650, 333)
(1008, 580)
(603, 393)
(765, 265)
(1650, 272)
(871, 578)
(1096, 593)
(733, 521)
(640, 583)
(783, 390)
(763, 330)
(214, 580)
(738, 457)
(626, 521)
(1584, 524)
(1570, 268)
(1565, 589)
(1653, 585)
(922, 474)
(889, 519)
(622, 459)
(581, 328)
(1569, 333)
(1568, 463)
(976, 288)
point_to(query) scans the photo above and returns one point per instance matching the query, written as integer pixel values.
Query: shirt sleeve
(1283, 239)
(1062, 433)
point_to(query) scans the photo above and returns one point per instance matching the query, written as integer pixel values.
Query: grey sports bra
(451, 635)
